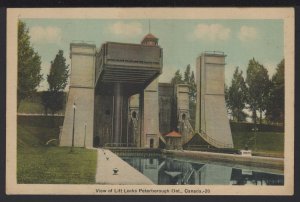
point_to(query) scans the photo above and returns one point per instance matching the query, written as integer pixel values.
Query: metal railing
(198, 147)
(120, 145)
(214, 52)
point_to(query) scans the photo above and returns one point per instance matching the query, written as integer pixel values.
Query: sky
(182, 40)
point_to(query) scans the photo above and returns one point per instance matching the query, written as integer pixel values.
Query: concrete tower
(79, 115)
(150, 126)
(123, 70)
(183, 110)
(211, 115)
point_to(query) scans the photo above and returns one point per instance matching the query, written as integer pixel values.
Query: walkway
(107, 161)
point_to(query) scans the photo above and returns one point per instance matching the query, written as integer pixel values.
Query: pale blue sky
(182, 40)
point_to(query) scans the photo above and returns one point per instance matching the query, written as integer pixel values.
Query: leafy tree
(236, 96)
(193, 88)
(59, 73)
(187, 74)
(189, 78)
(177, 79)
(275, 108)
(29, 65)
(258, 84)
(226, 96)
(57, 80)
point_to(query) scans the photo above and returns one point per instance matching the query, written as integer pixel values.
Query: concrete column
(140, 138)
(118, 104)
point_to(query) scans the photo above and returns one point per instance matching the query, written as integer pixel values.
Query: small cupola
(150, 40)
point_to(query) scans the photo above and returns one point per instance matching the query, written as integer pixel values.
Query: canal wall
(267, 164)
(135, 152)
(232, 159)
(107, 161)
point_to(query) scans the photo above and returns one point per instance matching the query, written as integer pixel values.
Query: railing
(133, 61)
(209, 148)
(214, 52)
(120, 145)
(198, 147)
(136, 152)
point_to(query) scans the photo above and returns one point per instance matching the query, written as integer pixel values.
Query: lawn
(266, 142)
(41, 164)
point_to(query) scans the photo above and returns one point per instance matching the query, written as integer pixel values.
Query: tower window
(134, 114)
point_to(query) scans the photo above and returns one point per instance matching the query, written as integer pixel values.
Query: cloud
(247, 33)
(47, 34)
(126, 29)
(212, 32)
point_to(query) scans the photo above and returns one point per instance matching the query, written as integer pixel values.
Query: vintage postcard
(150, 101)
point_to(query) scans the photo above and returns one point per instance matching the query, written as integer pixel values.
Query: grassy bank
(266, 142)
(38, 163)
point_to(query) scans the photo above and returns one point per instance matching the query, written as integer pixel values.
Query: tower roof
(173, 134)
(149, 38)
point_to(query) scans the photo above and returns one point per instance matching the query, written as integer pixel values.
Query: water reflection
(171, 172)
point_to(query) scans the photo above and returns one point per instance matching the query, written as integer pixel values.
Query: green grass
(41, 164)
(266, 142)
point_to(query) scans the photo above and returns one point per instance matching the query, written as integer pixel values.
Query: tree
(258, 88)
(275, 108)
(59, 73)
(29, 65)
(187, 74)
(193, 88)
(177, 79)
(226, 96)
(57, 80)
(236, 96)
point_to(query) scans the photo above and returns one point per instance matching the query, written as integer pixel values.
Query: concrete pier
(107, 161)
(231, 159)
(118, 103)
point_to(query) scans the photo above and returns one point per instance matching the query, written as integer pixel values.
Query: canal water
(169, 171)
